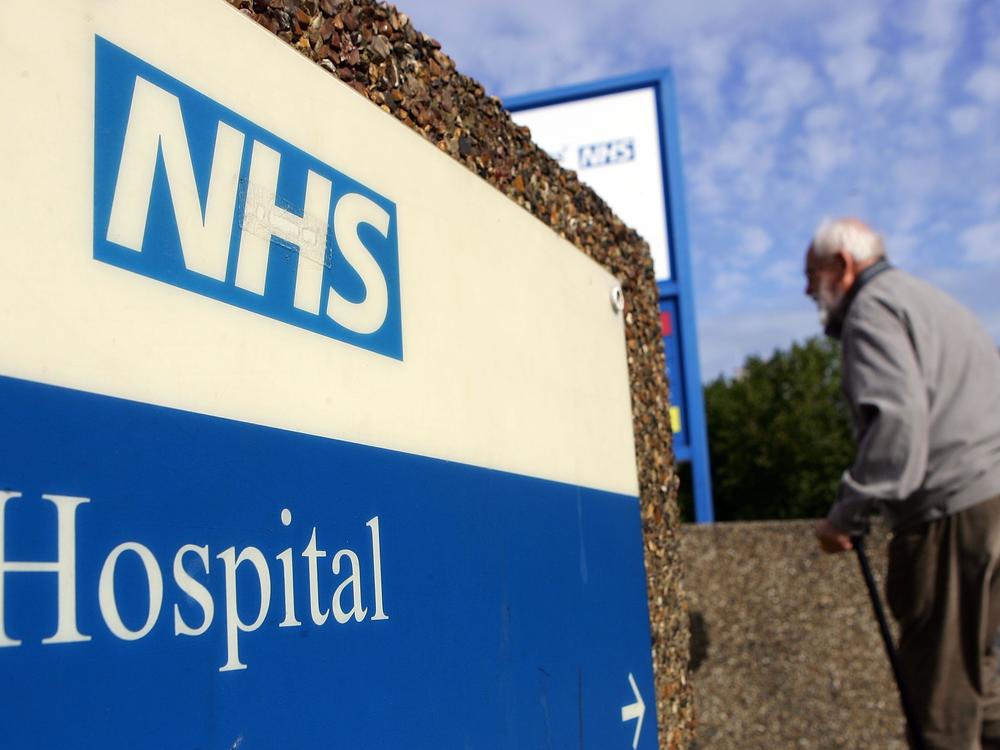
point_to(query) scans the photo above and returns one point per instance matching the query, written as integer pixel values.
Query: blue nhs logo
(192, 194)
(606, 153)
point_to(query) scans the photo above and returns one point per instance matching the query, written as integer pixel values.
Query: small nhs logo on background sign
(192, 194)
(606, 153)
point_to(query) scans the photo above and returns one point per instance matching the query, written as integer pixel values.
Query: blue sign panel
(190, 193)
(225, 585)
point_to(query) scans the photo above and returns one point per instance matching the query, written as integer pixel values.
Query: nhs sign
(188, 192)
(230, 509)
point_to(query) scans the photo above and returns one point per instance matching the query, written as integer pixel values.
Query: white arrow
(634, 711)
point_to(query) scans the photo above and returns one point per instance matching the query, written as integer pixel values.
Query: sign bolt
(617, 299)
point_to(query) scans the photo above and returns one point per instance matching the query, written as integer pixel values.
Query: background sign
(279, 466)
(612, 142)
(621, 137)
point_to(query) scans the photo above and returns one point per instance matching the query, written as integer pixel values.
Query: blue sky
(790, 111)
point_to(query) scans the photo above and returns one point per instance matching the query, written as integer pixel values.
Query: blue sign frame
(676, 294)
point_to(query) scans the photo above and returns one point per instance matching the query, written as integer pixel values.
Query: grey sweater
(922, 378)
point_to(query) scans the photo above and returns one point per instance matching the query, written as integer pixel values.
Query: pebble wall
(376, 49)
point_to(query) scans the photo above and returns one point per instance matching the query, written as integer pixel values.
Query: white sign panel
(448, 352)
(613, 143)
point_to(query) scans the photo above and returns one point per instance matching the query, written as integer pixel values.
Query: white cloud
(989, 200)
(740, 162)
(965, 120)
(937, 22)
(852, 60)
(918, 172)
(900, 247)
(987, 23)
(731, 283)
(881, 92)
(851, 27)
(823, 141)
(824, 152)
(745, 141)
(727, 340)
(824, 117)
(924, 68)
(982, 243)
(786, 273)
(907, 218)
(985, 84)
(993, 45)
(729, 287)
(705, 190)
(679, 20)
(918, 139)
(756, 242)
(564, 41)
(937, 26)
(853, 68)
(705, 68)
(777, 84)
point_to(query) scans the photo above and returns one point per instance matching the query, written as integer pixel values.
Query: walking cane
(916, 735)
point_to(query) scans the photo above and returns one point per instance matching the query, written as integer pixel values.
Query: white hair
(853, 236)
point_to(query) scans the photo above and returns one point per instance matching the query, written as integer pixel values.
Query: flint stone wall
(786, 651)
(377, 50)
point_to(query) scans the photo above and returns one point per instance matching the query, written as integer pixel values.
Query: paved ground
(785, 648)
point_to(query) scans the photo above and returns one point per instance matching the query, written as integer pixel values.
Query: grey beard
(826, 303)
(823, 314)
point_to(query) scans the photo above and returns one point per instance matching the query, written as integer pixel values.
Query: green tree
(779, 435)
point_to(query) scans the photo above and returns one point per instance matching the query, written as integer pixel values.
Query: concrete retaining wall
(786, 651)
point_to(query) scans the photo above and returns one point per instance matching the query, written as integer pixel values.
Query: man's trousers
(943, 587)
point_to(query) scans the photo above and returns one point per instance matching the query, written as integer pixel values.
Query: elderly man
(922, 378)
